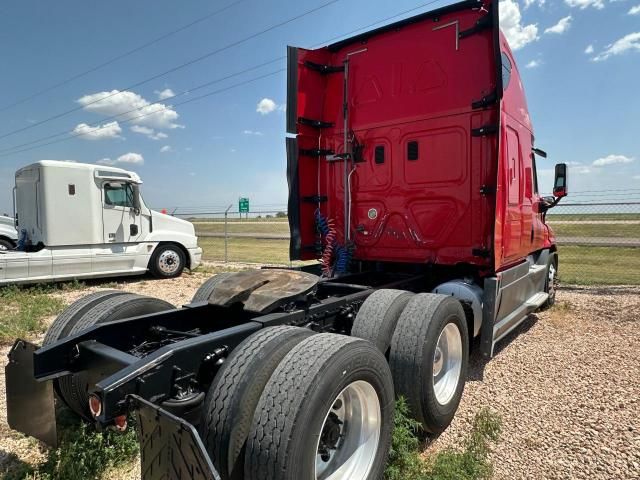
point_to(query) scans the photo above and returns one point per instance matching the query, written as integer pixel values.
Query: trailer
(412, 179)
(77, 221)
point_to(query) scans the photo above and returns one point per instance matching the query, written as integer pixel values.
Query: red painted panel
(406, 85)
(414, 86)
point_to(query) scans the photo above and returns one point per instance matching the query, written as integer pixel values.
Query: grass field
(596, 230)
(558, 223)
(572, 217)
(600, 265)
(578, 265)
(246, 250)
(280, 228)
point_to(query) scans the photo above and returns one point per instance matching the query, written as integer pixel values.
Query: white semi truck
(8, 233)
(77, 221)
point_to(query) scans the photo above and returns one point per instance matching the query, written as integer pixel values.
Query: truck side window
(118, 195)
(535, 174)
(412, 151)
(506, 71)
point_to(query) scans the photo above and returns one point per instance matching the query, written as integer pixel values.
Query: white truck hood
(164, 222)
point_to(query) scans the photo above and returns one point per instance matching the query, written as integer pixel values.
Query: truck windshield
(118, 195)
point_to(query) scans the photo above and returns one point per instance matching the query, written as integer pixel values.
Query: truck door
(513, 219)
(119, 220)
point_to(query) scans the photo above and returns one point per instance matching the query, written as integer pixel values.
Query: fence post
(226, 213)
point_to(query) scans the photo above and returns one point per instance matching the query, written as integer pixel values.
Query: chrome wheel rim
(447, 363)
(169, 262)
(3, 247)
(552, 281)
(350, 435)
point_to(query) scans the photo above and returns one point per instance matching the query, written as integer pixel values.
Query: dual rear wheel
(290, 404)
(94, 309)
(425, 338)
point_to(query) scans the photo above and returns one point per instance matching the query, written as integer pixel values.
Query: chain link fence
(599, 242)
(257, 237)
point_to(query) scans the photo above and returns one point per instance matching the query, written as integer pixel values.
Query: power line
(215, 92)
(176, 68)
(121, 56)
(97, 125)
(603, 191)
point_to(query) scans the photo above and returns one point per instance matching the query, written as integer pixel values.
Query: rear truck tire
(64, 322)
(429, 356)
(551, 283)
(206, 289)
(6, 244)
(328, 406)
(377, 318)
(167, 261)
(235, 392)
(74, 388)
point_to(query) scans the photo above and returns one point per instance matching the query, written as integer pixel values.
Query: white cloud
(589, 50)
(101, 132)
(266, 106)
(582, 4)
(636, 177)
(635, 10)
(533, 64)
(582, 170)
(132, 107)
(560, 27)
(106, 161)
(612, 160)
(148, 132)
(627, 43)
(166, 149)
(528, 3)
(252, 132)
(132, 158)
(517, 34)
(163, 94)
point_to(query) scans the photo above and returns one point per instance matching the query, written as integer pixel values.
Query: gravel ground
(566, 384)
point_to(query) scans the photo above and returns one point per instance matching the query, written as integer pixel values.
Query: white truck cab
(79, 220)
(8, 233)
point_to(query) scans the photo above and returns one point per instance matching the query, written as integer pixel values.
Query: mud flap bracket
(30, 403)
(170, 447)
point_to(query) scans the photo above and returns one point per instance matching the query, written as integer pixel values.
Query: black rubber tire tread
(153, 262)
(377, 318)
(235, 392)
(73, 388)
(292, 407)
(63, 324)
(206, 289)
(411, 359)
(8, 244)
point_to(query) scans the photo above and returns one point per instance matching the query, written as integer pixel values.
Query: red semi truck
(412, 178)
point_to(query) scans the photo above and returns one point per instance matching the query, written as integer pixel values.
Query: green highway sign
(243, 205)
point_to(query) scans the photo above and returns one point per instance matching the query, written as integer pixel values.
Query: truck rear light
(95, 405)
(120, 423)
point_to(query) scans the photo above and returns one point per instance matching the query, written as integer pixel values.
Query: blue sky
(580, 61)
